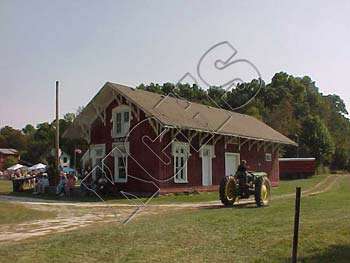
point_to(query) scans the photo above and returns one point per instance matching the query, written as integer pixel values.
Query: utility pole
(75, 161)
(57, 134)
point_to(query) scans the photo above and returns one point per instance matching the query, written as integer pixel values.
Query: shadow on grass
(245, 205)
(334, 253)
(76, 197)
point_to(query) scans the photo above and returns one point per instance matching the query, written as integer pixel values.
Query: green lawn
(14, 213)
(288, 186)
(245, 234)
(283, 188)
(5, 187)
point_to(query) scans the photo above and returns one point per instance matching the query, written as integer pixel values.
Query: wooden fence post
(296, 224)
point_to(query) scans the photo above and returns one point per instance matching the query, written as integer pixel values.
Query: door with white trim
(232, 161)
(98, 152)
(207, 165)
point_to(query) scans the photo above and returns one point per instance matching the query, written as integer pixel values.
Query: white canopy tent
(16, 167)
(38, 166)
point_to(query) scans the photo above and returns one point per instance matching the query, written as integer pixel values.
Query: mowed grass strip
(246, 234)
(284, 187)
(288, 186)
(11, 213)
(5, 187)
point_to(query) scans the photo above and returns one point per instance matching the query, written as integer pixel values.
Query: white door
(207, 175)
(97, 154)
(231, 163)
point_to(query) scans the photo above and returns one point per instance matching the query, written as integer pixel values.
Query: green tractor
(255, 184)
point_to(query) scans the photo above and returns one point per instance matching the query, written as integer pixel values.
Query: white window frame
(94, 157)
(93, 149)
(268, 157)
(120, 149)
(125, 125)
(176, 151)
(209, 147)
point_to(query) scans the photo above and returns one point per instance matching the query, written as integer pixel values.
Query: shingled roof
(8, 151)
(179, 113)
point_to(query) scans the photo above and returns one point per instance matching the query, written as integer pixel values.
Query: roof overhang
(110, 91)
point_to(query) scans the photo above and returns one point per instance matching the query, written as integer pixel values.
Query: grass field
(245, 234)
(283, 188)
(5, 187)
(15, 213)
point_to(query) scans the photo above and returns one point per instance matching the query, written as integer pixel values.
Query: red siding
(295, 168)
(2, 161)
(255, 159)
(256, 162)
(139, 152)
(144, 164)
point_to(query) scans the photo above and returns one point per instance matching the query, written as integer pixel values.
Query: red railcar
(292, 168)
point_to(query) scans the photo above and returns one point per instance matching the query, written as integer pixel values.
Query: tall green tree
(292, 105)
(12, 138)
(316, 137)
(10, 161)
(28, 129)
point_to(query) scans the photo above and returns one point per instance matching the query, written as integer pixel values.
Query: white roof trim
(296, 159)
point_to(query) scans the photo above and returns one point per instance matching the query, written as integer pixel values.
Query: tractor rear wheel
(262, 191)
(228, 190)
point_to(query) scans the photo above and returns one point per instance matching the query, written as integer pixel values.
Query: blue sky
(86, 43)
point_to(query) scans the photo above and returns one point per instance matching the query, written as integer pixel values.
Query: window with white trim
(268, 157)
(97, 152)
(181, 153)
(207, 150)
(121, 121)
(120, 153)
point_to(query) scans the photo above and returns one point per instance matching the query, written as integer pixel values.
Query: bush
(322, 169)
(10, 161)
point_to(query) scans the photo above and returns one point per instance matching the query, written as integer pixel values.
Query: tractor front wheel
(262, 191)
(228, 190)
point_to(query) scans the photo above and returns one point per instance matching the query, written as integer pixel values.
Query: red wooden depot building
(145, 141)
(6, 153)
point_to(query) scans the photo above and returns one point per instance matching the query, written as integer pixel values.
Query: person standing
(44, 183)
(61, 187)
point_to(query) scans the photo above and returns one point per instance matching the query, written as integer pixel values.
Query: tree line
(292, 105)
(36, 144)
